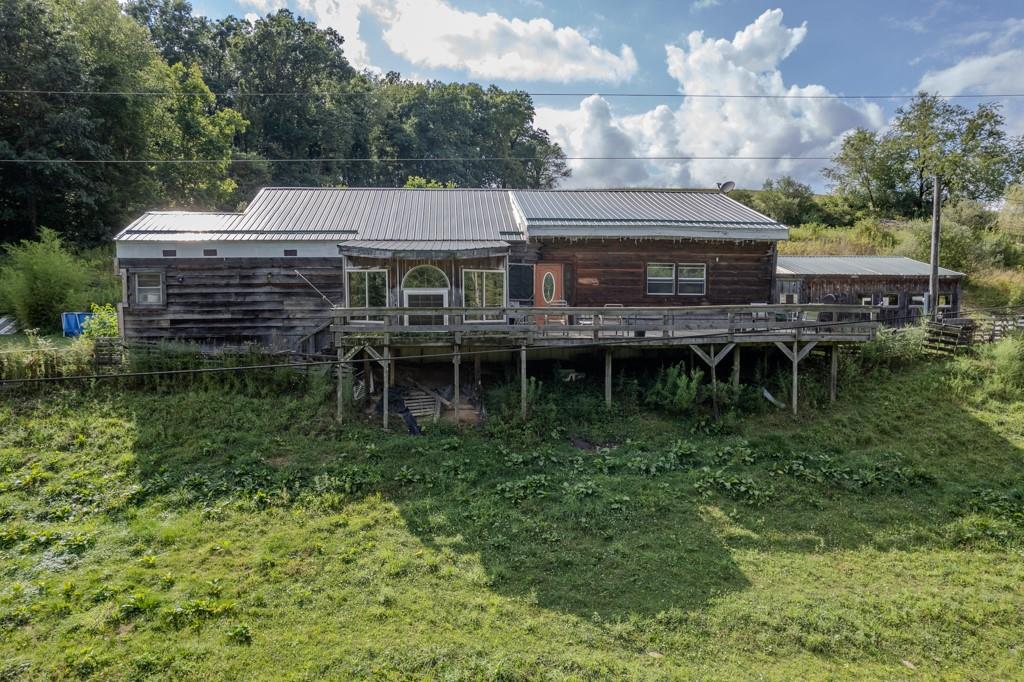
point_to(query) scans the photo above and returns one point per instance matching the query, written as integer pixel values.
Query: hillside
(206, 534)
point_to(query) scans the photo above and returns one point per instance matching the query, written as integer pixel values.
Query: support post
(714, 383)
(608, 378)
(456, 360)
(834, 374)
(736, 368)
(933, 278)
(522, 381)
(476, 370)
(387, 384)
(367, 376)
(796, 381)
(341, 387)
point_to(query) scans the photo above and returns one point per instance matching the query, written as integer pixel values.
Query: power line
(420, 159)
(353, 93)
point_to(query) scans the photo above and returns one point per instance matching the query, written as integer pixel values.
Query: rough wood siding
(452, 269)
(230, 300)
(849, 289)
(598, 272)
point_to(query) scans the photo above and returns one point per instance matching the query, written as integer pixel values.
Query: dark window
(291, 252)
(170, 253)
(209, 252)
(691, 279)
(520, 282)
(661, 278)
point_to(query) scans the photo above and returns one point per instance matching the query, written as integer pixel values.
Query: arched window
(425, 277)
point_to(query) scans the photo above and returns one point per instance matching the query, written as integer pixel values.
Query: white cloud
(433, 34)
(698, 5)
(747, 64)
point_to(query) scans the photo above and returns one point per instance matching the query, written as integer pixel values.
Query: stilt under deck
(712, 333)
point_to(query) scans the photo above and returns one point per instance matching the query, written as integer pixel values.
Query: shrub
(102, 323)
(675, 390)
(995, 373)
(40, 281)
(892, 348)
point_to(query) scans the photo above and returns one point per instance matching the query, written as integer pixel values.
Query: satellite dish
(726, 187)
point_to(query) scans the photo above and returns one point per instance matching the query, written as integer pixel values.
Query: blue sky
(709, 46)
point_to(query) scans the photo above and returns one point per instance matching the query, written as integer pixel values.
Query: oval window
(548, 287)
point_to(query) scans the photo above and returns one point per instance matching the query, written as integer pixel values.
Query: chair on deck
(605, 318)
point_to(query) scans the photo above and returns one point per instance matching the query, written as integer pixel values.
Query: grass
(208, 534)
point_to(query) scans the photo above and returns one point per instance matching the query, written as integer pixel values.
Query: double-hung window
(368, 289)
(483, 289)
(890, 300)
(661, 279)
(691, 279)
(149, 288)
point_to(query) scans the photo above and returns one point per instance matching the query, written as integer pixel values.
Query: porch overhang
(423, 249)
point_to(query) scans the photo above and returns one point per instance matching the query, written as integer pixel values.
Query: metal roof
(865, 266)
(643, 213)
(338, 215)
(411, 247)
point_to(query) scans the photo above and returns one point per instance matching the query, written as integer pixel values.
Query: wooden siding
(599, 272)
(848, 289)
(229, 300)
(452, 269)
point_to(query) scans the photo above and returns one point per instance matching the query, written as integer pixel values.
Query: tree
(419, 182)
(870, 173)
(40, 280)
(1011, 215)
(787, 201)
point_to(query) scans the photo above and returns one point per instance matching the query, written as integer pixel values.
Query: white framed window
(917, 301)
(944, 302)
(867, 299)
(661, 279)
(483, 289)
(789, 299)
(367, 289)
(691, 279)
(149, 288)
(890, 300)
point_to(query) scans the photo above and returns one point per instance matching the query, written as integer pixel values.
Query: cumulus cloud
(749, 63)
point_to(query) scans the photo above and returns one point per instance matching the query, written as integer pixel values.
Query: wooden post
(608, 378)
(522, 380)
(341, 386)
(736, 368)
(456, 360)
(796, 362)
(714, 384)
(834, 374)
(387, 384)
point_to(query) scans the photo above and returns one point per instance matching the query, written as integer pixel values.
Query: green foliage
(40, 280)
(787, 201)
(40, 357)
(103, 322)
(894, 348)
(1011, 215)
(965, 249)
(676, 390)
(995, 372)
(418, 182)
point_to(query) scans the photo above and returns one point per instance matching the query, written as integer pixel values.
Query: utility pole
(933, 279)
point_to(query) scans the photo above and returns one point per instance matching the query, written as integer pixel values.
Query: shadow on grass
(555, 526)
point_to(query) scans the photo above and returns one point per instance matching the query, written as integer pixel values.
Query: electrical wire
(411, 159)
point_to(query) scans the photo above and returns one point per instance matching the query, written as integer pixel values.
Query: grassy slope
(209, 535)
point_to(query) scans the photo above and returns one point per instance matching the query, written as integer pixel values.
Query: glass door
(426, 298)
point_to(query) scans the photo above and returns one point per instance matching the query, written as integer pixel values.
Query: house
(274, 272)
(895, 284)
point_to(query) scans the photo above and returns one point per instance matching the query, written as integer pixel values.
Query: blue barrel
(72, 323)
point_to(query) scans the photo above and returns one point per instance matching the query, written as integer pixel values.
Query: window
(149, 288)
(691, 279)
(945, 302)
(890, 300)
(867, 299)
(170, 253)
(209, 252)
(789, 299)
(917, 301)
(425, 277)
(661, 279)
(291, 252)
(368, 289)
(547, 287)
(483, 289)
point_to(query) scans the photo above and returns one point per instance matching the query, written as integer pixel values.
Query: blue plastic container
(72, 323)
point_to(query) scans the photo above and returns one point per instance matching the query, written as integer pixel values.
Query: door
(548, 285)
(426, 298)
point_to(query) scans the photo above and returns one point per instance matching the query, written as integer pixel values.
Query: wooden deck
(579, 326)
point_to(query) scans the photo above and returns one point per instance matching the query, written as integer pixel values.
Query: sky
(586, 50)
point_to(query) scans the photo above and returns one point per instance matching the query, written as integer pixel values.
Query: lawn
(208, 534)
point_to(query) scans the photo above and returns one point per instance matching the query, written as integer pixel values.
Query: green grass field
(203, 534)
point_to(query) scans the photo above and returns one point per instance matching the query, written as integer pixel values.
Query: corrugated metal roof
(327, 214)
(410, 247)
(877, 266)
(643, 213)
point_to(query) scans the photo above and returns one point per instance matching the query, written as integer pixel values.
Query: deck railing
(806, 321)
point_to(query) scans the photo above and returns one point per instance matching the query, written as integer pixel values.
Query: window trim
(504, 293)
(366, 291)
(690, 280)
(883, 304)
(136, 300)
(783, 296)
(948, 305)
(866, 299)
(647, 279)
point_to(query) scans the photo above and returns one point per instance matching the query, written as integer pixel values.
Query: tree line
(242, 104)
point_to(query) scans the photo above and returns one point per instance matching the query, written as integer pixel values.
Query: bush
(963, 248)
(40, 281)
(995, 373)
(102, 323)
(892, 348)
(676, 391)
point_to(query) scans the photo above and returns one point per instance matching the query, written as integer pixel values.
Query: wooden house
(274, 272)
(896, 285)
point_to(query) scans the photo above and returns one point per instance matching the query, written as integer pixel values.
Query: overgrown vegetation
(141, 527)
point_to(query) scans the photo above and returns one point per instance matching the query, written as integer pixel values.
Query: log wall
(598, 272)
(850, 289)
